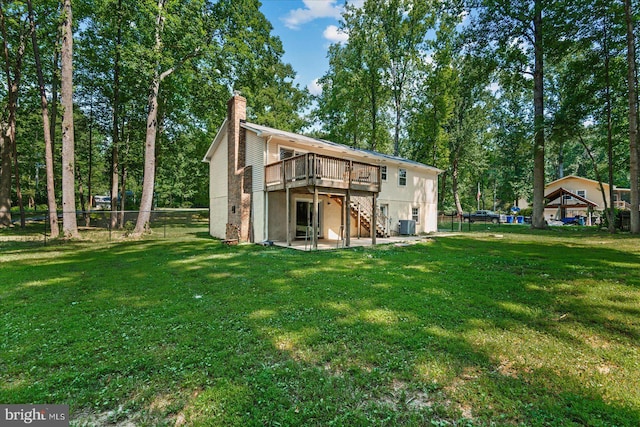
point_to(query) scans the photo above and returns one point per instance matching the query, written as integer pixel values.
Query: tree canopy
(504, 96)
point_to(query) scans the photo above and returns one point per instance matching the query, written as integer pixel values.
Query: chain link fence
(479, 221)
(112, 225)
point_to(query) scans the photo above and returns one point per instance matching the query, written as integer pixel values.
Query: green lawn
(519, 328)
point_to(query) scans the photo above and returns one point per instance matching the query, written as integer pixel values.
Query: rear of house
(269, 184)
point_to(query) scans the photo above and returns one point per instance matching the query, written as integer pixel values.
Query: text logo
(34, 415)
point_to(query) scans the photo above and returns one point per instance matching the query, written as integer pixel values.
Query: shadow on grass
(497, 331)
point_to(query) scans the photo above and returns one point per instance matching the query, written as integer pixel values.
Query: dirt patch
(113, 418)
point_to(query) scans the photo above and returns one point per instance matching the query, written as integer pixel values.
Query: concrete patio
(326, 244)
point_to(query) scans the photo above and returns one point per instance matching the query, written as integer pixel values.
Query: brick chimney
(239, 174)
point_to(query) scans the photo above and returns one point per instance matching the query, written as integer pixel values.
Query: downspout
(265, 199)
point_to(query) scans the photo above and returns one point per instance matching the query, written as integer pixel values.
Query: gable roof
(215, 142)
(556, 194)
(265, 131)
(576, 177)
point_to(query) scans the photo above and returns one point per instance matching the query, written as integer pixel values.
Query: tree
(48, 142)
(586, 95)
(633, 119)
(69, 222)
(520, 35)
(13, 73)
(250, 61)
(160, 72)
(404, 24)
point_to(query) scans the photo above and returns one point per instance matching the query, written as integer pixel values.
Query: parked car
(576, 220)
(484, 216)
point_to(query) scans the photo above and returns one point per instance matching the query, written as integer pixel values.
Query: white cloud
(315, 88)
(314, 9)
(357, 3)
(335, 34)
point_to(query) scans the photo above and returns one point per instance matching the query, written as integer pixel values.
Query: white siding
(255, 159)
(218, 194)
(420, 192)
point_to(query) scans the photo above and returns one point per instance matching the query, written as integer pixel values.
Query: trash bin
(520, 219)
(509, 219)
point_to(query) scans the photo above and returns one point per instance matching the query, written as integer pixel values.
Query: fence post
(164, 222)
(46, 222)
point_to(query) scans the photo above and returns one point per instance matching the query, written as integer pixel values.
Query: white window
(402, 177)
(383, 173)
(582, 193)
(415, 215)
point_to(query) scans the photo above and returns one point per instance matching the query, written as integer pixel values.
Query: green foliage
(526, 329)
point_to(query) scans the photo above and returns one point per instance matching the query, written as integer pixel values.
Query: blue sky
(306, 28)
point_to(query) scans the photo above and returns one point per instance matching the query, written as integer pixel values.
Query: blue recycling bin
(520, 219)
(509, 219)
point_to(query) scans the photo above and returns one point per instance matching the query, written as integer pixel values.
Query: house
(573, 196)
(269, 184)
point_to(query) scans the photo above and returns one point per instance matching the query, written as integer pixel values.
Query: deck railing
(622, 205)
(321, 170)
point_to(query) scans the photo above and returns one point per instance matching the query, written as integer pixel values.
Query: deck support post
(347, 206)
(316, 218)
(359, 220)
(288, 214)
(374, 219)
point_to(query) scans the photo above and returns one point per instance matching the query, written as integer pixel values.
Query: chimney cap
(236, 92)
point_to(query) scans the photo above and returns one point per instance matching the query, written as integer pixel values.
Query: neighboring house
(577, 196)
(269, 184)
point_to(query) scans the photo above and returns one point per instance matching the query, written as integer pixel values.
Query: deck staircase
(361, 206)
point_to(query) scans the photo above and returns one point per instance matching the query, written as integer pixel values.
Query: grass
(520, 328)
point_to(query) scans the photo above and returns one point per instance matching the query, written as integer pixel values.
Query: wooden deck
(329, 173)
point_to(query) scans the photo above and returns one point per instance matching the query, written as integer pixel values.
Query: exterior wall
(573, 184)
(255, 158)
(277, 216)
(218, 191)
(420, 192)
(239, 177)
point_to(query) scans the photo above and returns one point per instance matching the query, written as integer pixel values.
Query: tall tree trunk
(610, 212)
(148, 183)
(69, 223)
(16, 171)
(90, 197)
(5, 138)
(537, 219)
(123, 189)
(455, 183)
(48, 145)
(85, 214)
(5, 178)
(633, 119)
(594, 163)
(13, 86)
(374, 113)
(55, 81)
(396, 133)
(114, 131)
(123, 186)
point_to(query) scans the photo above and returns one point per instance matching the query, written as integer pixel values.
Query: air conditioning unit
(407, 227)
